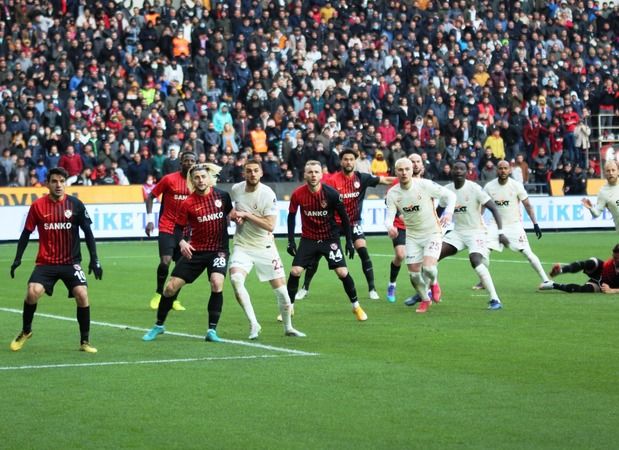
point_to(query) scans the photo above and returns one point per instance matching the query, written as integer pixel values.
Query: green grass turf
(541, 373)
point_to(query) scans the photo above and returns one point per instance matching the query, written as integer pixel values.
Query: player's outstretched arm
(21, 248)
(497, 218)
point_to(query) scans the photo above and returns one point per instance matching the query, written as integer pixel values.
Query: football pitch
(539, 374)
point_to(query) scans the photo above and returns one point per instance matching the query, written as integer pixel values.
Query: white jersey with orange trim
(469, 200)
(507, 198)
(417, 208)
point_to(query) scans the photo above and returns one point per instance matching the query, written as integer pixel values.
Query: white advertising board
(128, 220)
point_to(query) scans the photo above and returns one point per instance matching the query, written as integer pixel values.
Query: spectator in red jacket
(71, 162)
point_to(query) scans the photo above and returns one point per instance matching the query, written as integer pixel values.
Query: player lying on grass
(603, 275)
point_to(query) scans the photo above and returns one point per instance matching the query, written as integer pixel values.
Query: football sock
(366, 264)
(430, 273)
(215, 304)
(83, 319)
(293, 286)
(419, 283)
(165, 305)
(27, 316)
(579, 266)
(283, 302)
(162, 274)
(571, 288)
(535, 263)
(309, 275)
(242, 296)
(486, 281)
(393, 275)
(349, 287)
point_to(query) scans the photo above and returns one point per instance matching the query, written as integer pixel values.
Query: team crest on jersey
(323, 203)
(357, 185)
(218, 203)
(333, 246)
(68, 213)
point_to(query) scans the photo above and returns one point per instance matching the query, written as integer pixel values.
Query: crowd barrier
(127, 220)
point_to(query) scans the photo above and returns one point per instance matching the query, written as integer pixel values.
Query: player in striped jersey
(173, 190)
(351, 185)
(320, 235)
(206, 211)
(58, 218)
(603, 275)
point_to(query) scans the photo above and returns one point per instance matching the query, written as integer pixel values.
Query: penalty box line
(172, 333)
(142, 362)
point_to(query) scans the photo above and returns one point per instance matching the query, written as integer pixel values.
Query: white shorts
(417, 249)
(267, 261)
(516, 235)
(475, 240)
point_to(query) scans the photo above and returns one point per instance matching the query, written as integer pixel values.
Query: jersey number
(335, 255)
(219, 261)
(277, 265)
(79, 274)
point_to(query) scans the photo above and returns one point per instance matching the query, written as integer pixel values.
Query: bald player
(507, 194)
(608, 197)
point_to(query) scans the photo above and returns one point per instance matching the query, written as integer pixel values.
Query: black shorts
(310, 251)
(400, 239)
(190, 269)
(168, 245)
(71, 275)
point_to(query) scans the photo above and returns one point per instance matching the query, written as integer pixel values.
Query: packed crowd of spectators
(115, 91)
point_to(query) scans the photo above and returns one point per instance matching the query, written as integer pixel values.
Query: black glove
(350, 250)
(95, 266)
(538, 231)
(14, 266)
(292, 248)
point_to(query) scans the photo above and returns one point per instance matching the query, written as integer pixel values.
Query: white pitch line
(171, 333)
(131, 363)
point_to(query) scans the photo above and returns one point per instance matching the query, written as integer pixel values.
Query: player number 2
(277, 264)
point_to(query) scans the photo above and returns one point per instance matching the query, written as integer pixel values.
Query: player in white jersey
(469, 229)
(414, 199)
(608, 197)
(507, 195)
(255, 214)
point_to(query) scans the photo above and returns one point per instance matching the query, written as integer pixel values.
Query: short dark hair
(57, 171)
(348, 151)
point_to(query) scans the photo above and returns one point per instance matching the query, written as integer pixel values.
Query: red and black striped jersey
(208, 217)
(609, 274)
(58, 223)
(173, 190)
(352, 190)
(317, 211)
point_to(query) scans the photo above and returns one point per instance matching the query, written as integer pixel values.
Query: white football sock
(430, 273)
(486, 281)
(420, 284)
(283, 302)
(242, 296)
(536, 263)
